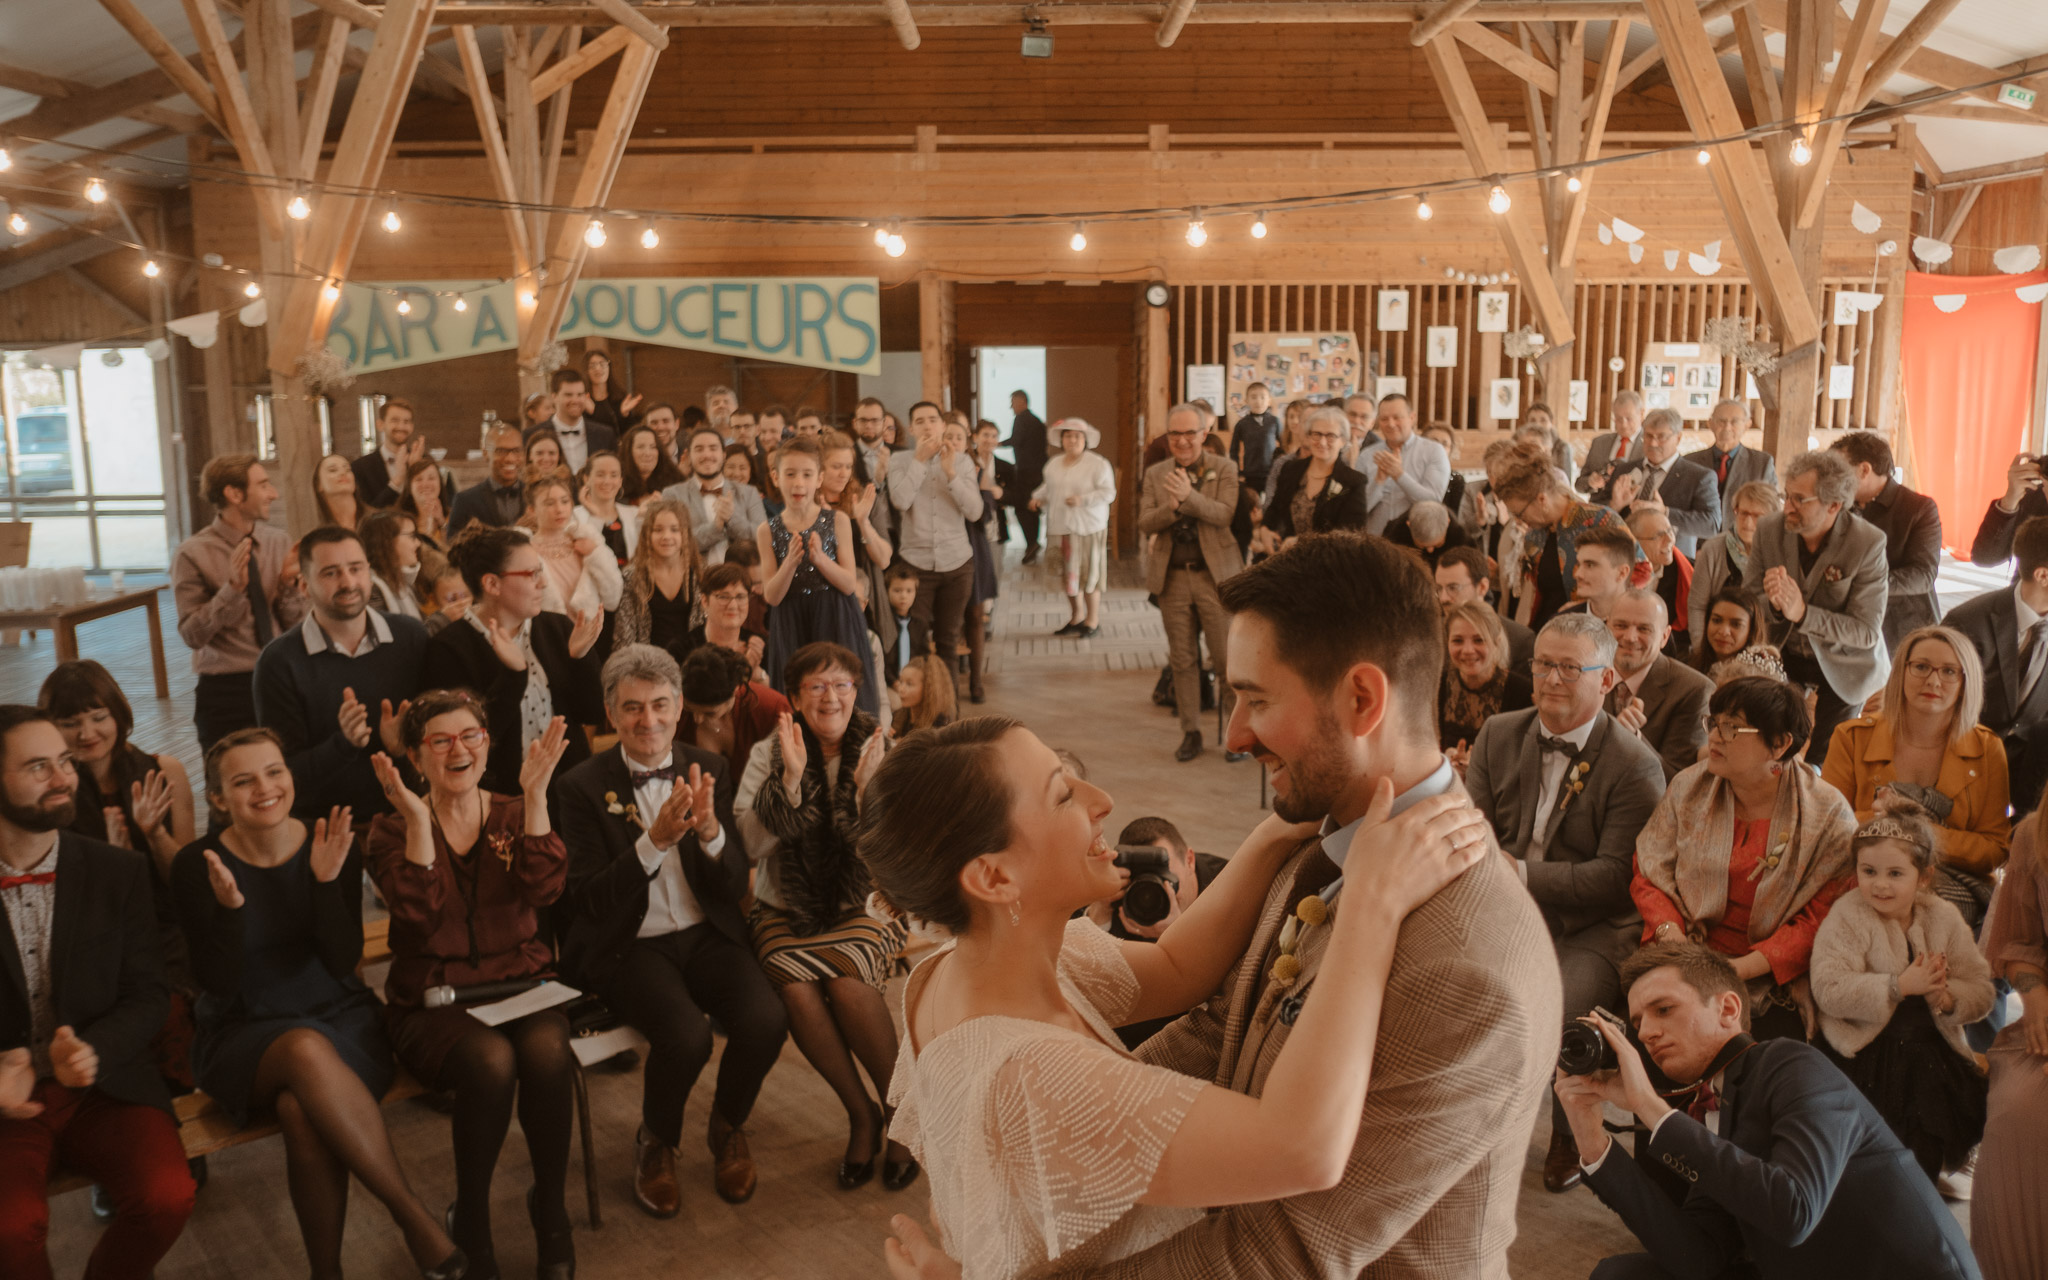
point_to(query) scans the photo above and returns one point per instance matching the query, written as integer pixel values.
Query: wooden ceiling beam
(588, 13)
(22, 80)
(1994, 172)
(494, 145)
(182, 73)
(906, 26)
(1175, 17)
(236, 114)
(636, 22)
(1759, 71)
(1439, 20)
(1499, 50)
(318, 103)
(1845, 94)
(565, 70)
(58, 257)
(1892, 54)
(1640, 65)
(1956, 217)
(1943, 70)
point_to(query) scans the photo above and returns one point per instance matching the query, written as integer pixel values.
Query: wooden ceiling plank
(564, 71)
(237, 115)
(1497, 49)
(183, 74)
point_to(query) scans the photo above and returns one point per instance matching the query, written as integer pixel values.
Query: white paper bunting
(254, 315)
(1864, 219)
(1635, 253)
(2016, 258)
(200, 329)
(1931, 251)
(1627, 232)
(1950, 302)
(2032, 292)
(1671, 259)
(1703, 265)
(1606, 234)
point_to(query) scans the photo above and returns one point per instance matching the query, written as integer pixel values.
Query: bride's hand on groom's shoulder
(1405, 861)
(913, 1256)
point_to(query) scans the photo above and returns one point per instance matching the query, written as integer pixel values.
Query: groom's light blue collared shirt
(1337, 843)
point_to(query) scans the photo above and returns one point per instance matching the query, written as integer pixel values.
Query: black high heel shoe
(895, 1176)
(554, 1251)
(454, 1267)
(484, 1266)
(854, 1176)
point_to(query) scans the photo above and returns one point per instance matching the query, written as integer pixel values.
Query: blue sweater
(299, 695)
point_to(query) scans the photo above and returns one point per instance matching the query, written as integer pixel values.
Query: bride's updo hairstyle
(938, 802)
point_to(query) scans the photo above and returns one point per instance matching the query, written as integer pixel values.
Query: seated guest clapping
(273, 912)
(656, 877)
(1803, 1179)
(526, 665)
(798, 804)
(1478, 680)
(1606, 564)
(466, 873)
(81, 995)
(1567, 789)
(729, 710)
(1747, 850)
(1655, 696)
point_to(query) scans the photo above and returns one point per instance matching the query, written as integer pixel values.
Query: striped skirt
(856, 947)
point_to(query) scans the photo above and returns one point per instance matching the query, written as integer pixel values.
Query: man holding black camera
(1163, 877)
(1803, 1178)
(1184, 510)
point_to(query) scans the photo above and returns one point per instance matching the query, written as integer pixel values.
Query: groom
(1335, 653)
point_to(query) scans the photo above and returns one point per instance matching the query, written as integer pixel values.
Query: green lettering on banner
(719, 314)
(488, 325)
(337, 327)
(866, 361)
(754, 318)
(633, 310)
(377, 339)
(675, 312)
(807, 324)
(407, 323)
(591, 295)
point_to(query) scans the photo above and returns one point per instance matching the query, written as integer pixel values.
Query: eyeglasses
(1325, 435)
(1184, 435)
(733, 596)
(1728, 730)
(1803, 499)
(530, 574)
(1923, 670)
(441, 744)
(819, 688)
(1569, 672)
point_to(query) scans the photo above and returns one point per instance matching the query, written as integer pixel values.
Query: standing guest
(272, 908)
(609, 404)
(544, 459)
(1605, 565)
(840, 487)
(237, 586)
(1530, 489)
(528, 666)
(1724, 558)
(467, 874)
(729, 600)
(798, 804)
(924, 696)
(1028, 445)
(667, 427)
(81, 997)
(655, 924)
(935, 492)
(392, 549)
(1292, 447)
(582, 574)
(868, 416)
(1076, 493)
(538, 409)
(1185, 506)
(2022, 500)
(1464, 577)
(1926, 745)
(659, 604)
(1730, 626)
(1735, 465)
(913, 638)
(427, 497)
(721, 403)
(808, 574)
(722, 510)
(647, 467)
(974, 621)
(1429, 529)
(1822, 575)
(1684, 491)
(742, 426)
(1318, 493)
(2009, 1203)
(578, 434)
(447, 600)
(383, 474)
(1747, 851)
(598, 507)
(2006, 629)
(998, 480)
(333, 687)
(730, 709)
(334, 493)
(1882, 946)
(808, 422)
(1911, 525)
(1478, 681)
(1567, 791)
(1655, 696)
(1454, 492)
(1538, 418)
(499, 499)
(768, 437)
(1612, 450)
(1254, 438)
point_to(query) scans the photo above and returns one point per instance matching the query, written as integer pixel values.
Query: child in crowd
(1896, 978)
(445, 599)
(747, 555)
(925, 696)
(808, 574)
(913, 636)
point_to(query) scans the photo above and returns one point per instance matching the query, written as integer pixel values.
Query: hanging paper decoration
(253, 315)
(1702, 264)
(1850, 304)
(62, 356)
(1950, 302)
(201, 329)
(2032, 292)
(1712, 253)
(1931, 251)
(2017, 258)
(1626, 232)
(1606, 234)
(1635, 253)
(1864, 219)
(157, 350)
(1671, 259)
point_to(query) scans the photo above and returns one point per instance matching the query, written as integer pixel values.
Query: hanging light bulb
(1198, 232)
(461, 303)
(330, 291)
(404, 307)
(152, 270)
(649, 238)
(1422, 209)
(252, 289)
(1079, 240)
(1705, 156)
(1259, 228)
(298, 209)
(17, 224)
(881, 236)
(1573, 184)
(526, 297)
(6, 161)
(593, 235)
(1802, 150)
(391, 222)
(1497, 200)
(96, 191)
(895, 245)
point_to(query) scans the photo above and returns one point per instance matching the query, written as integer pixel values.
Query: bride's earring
(1015, 918)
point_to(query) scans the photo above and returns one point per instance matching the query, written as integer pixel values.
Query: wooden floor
(1090, 696)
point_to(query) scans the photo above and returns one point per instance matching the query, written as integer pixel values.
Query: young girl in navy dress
(807, 563)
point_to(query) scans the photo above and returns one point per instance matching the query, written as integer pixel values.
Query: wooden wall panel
(58, 308)
(2008, 213)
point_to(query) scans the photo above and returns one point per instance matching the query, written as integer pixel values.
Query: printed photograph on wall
(1318, 365)
(1393, 309)
(1442, 350)
(1575, 403)
(1493, 312)
(1505, 402)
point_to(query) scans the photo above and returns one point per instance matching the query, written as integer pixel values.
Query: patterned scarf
(822, 877)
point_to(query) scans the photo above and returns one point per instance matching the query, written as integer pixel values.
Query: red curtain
(1969, 378)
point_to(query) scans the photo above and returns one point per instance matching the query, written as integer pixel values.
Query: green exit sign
(2014, 96)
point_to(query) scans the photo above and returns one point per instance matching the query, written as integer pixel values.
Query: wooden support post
(934, 337)
(1175, 18)
(1159, 373)
(575, 62)
(906, 26)
(319, 102)
(631, 19)
(1845, 94)
(236, 113)
(494, 143)
(173, 64)
(1439, 21)
(1564, 244)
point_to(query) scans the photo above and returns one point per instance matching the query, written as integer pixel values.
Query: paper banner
(157, 350)
(63, 356)
(1671, 259)
(2017, 258)
(1702, 264)
(1864, 219)
(253, 315)
(1627, 232)
(1950, 302)
(200, 329)
(1606, 234)
(1931, 251)
(1712, 252)
(1635, 253)
(2032, 292)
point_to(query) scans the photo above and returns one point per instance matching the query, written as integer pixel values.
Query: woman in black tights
(273, 918)
(466, 873)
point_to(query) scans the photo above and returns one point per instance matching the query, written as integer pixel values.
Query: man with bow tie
(656, 875)
(1567, 789)
(581, 436)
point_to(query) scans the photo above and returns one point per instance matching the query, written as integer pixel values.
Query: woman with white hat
(1075, 495)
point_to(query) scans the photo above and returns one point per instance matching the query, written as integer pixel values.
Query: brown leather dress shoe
(654, 1176)
(732, 1164)
(1561, 1163)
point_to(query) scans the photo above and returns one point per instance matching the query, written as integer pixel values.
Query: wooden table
(65, 620)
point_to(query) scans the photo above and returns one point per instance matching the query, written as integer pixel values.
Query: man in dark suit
(1911, 524)
(2023, 499)
(656, 876)
(1462, 575)
(1566, 790)
(2009, 629)
(1028, 446)
(913, 637)
(1660, 699)
(580, 434)
(1684, 490)
(1804, 1180)
(380, 473)
(81, 996)
(1733, 463)
(499, 498)
(1611, 449)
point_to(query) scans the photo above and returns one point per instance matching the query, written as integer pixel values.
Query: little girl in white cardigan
(1896, 976)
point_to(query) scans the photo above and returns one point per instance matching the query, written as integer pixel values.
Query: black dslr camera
(1583, 1050)
(1148, 898)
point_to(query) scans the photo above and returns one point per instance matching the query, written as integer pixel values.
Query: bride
(1043, 1139)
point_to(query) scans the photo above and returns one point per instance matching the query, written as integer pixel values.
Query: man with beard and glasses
(722, 511)
(1336, 647)
(81, 996)
(334, 687)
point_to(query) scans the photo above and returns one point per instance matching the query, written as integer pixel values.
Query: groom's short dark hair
(1338, 599)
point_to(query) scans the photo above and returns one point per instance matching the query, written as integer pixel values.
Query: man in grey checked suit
(722, 511)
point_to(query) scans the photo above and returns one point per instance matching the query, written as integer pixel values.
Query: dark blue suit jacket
(1808, 1183)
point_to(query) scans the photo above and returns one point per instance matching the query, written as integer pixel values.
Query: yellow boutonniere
(1335, 488)
(1574, 783)
(1308, 913)
(628, 811)
(501, 845)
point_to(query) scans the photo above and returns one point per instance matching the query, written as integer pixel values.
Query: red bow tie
(40, 877)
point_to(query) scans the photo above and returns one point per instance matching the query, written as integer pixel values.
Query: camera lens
(1147, 901)
(1582, 1050)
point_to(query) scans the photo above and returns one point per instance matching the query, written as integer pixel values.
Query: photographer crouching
(1803, 1179)
(1162, 877)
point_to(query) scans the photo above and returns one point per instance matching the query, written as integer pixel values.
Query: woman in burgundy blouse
(466, 873)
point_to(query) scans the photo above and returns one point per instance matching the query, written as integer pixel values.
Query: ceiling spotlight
(1198, 233)
(593, 235)
(1573, 184)
(298, 208)
(96, 191)
(1802, 150)
(404, 307)
(391, 222)
(1422, 209)
(1079, 240)
(1705, 156)
(1037, 40)
(526, 297)
(252, 289)
(461, 303)
(17, 224)
(649, 238)
(1259, 228)
(152, 270)
(330, 291)
(1497, 200)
